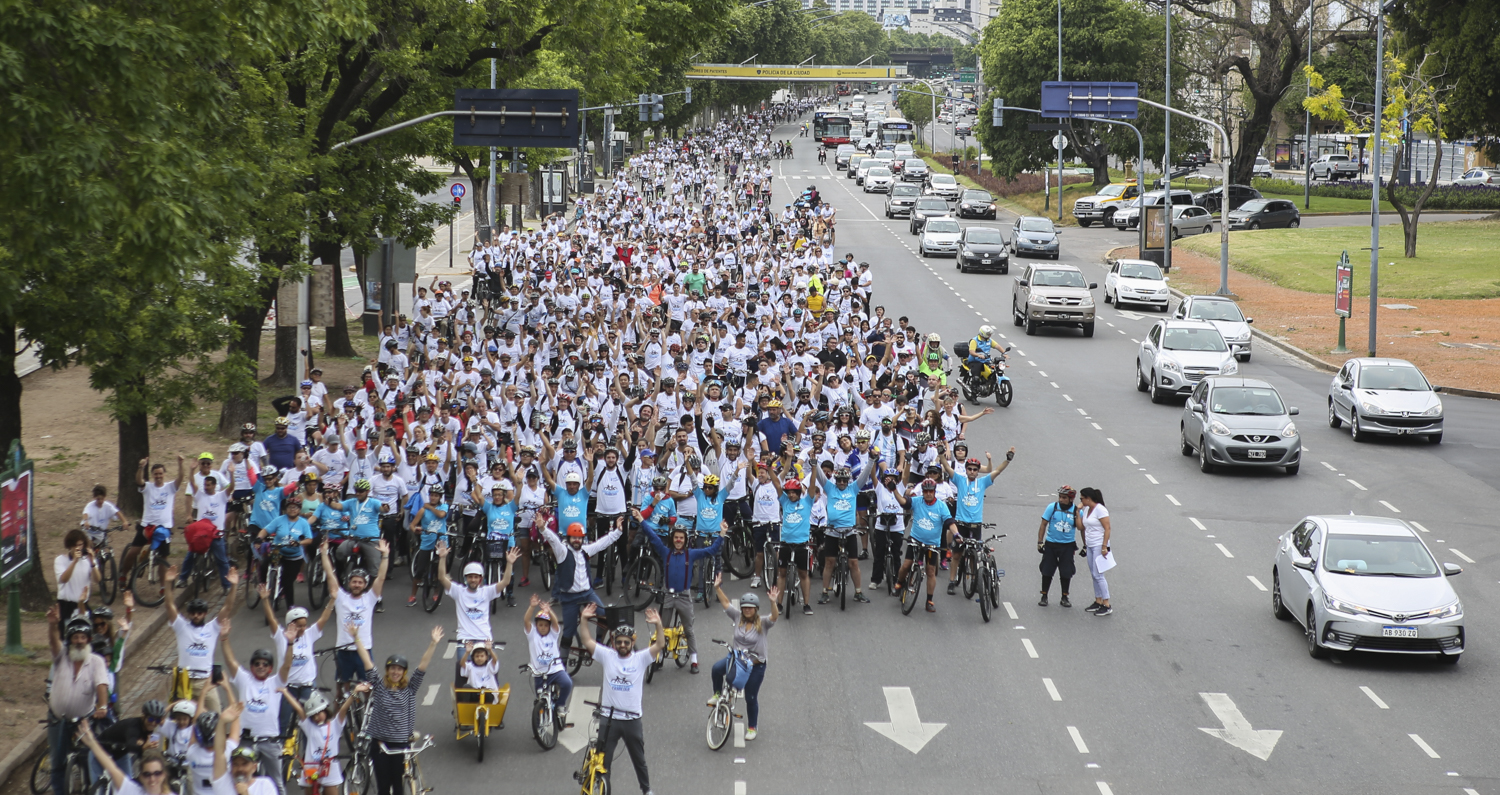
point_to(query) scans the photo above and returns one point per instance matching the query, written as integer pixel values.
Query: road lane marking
(1224, 549)
(432, 691)
(1356, 485)
(452, 650)
(575, 736)
(1055, 386)
(1030, 649)
(1197, 523)
(1393, 508)
(1083, 749)
(1331, 467)
(1052, 689)
(1424, 746)
(1107, 323)
(1041, 373)
(1371, 693)
(1010, 611)
(1466, 558)
(1419, 526)
(739, 788)
(1033, 364)
(1065, 397)
(1132, 460)
(1153, 480)
(1174, 500)
(1105, 790)
(1255, 582)
(739, 734)
(1120, 330)
(1113, 442)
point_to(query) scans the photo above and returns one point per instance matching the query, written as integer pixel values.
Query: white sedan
(1136, 281)
(940, 236)
(879, 180)
(1191, 220)
(943, 185)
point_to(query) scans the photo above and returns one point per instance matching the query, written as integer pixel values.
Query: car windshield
(1254, 206)
(984, 234)
(1140, 270)
(932, 204)
(1400, 378)
(943, 179)
(1051, 278)
(880, 171)
(1192, 339)
(916, 163)
(905, 190)
(1112, 191)
(1377, 556)
(942, 226)
(1036, 225)
(977, 196)
(1254, 401)
(845, 149)
(1215, 310)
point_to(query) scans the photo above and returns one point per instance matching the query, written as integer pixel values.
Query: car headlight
(1087, 301)
(1342, 606)
(1290, 430)
(1435, 411)
(1218, 428)
(1371, 408)
(1450, 611)
(1229, 368)
(1168, 365)
(1036, 299)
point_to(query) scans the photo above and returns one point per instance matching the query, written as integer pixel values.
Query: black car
(1193, 159)
(983, 248)
(927, 207)
(1265, 214)
(1212, 200)
(976, 204)
(901, 199)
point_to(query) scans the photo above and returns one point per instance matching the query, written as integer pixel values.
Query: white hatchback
(1137, 281)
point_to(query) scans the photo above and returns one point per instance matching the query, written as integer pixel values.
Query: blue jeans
(564, 687)
(572, 604)
(59, 744)
(746, 678)
(221, 561)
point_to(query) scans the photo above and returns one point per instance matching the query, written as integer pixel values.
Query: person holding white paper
(1096, 543)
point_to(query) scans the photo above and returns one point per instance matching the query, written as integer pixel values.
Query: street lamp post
(1057, 139)
(1312, 21)
(1375, 167)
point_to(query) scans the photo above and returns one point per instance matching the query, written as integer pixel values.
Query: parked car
(1137, 281)
(939, 236)
(925, 208)
(1231, 421)
(1176, 354)
(1225, 315)
(1035, 235)
(915, 170)
(1052, 295)
(1193, 158)
(842, 154)
(879, 180)
(1102, 205)
(1191, 220)
(1265, 213)
(901, 199)
(1333, 167)
(983, 248)
(1213, 199)
(1384, 396)
(943, 185)
(1129, 218)
(1366, 583)
(1479, 176)
(976, 203)
(1262, 168)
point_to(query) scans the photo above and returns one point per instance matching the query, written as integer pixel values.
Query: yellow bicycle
(676, 648)
(592, 777)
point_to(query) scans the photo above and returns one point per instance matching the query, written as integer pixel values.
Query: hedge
(1444, 197)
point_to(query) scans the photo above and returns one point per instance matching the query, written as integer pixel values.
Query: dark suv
(927, 207)
(1212, 200)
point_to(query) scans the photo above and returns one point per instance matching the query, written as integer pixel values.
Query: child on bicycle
(322, 727)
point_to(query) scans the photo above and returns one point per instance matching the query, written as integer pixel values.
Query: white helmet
(238, 447)
(185, 707)
(986, 331)
(474, 568)
(573, 477)
(317, 702)
(934, 337)
(295, 613)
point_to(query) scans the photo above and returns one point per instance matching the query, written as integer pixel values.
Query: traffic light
(656, 113)
(688, 100)
(640, 105)
(997, 113)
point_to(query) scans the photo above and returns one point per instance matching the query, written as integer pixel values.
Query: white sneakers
(749, 734)
(755, 581)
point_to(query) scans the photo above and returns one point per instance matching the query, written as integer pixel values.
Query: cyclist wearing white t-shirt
(542, 640)
(197, 635)
(471, 600)
(259, 689)
(354, 604)
(624, 670)
(158, 499)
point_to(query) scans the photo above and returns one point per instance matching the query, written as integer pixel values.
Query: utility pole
(1166, 161)
(491, 191)
(1312, 20)
(1058, 137)
(1375, 172)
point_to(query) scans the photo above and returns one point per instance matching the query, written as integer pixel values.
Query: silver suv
(1052, 295)
(1331, 167)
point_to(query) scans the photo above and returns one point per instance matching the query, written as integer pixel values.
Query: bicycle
(182, 687)
(411, 774)
(841, 573)
(271, 575)
(77, 765)
(492, 556)
(643, 577)
(432, 590)
(675, 648)
(988, 589)
(204, 573)
(104, 563)
(148, 580)
(592, 775)
(722, 713)
(546, 721)
(911, 587)
(361, 770)
(739, 550)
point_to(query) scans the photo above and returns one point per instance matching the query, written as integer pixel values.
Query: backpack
(200, 535)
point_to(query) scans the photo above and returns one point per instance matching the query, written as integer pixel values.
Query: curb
(1473, 393)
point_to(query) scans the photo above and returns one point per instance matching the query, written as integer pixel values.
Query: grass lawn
(1455, 259)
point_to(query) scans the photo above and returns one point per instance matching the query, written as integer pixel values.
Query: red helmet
(929, 485)
(973, 462)
(575, 530)
(792, 485)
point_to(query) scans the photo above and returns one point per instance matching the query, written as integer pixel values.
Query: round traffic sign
(457, 190)
(1059, 142)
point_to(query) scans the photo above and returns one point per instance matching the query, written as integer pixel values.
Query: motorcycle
(976, 388)
(809, 200)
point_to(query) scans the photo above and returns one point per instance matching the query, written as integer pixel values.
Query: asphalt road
(1053, 700)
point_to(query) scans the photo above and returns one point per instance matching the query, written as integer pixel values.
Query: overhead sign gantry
(784, 73)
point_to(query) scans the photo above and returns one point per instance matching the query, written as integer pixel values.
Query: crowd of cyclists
(677, 387)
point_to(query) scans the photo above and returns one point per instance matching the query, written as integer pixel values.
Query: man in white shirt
(197, 635)
(259, 689)
(624, 671)
(471, 600)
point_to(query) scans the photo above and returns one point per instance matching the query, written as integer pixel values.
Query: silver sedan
(1239, 422)
(1366, 583)
(1390, 397)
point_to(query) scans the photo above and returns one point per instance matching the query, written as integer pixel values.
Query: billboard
(15, 525)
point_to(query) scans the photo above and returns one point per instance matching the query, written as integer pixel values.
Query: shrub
(1444, 197)
(999, 186)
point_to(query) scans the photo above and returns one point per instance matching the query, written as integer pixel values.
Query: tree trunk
(238, 410)
(10, 386)
(1409, 221)
(284, 373)
(338, 343)
(135, 443)
(1252, 136)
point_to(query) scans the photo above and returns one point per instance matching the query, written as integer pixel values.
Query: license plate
(985, 261)
(1257, 453)
(1401, 431)
(1398, 632)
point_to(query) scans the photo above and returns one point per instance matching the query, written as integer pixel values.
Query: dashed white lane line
(1052, 689)
(1033, 364)
(1173, 500)
(1010, 610)
(739, 788)
(1113, 442)
(1055, 386)
(1371, 693)
(1465, 558)
(1197, 523)
(739, 734)
(1065, 397)
(1331, 467)
(1111, 325)
(1419, 526)
(453, 648)
(1120, 331)
(1255, 582)
(432, 694)
(1097, 427)
(1393, 508)
(1152, 479)
(1030, 649)
(1356, 485)
(1041, 373)
(1083, 748)
(1132, 460)
(1105, 790)
(1421, 743)
(1224, 549)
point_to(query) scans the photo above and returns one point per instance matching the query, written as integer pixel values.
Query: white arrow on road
(1237, 732)
(905, 728)
(576, 736)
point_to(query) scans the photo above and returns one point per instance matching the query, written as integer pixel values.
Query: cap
(361, 445)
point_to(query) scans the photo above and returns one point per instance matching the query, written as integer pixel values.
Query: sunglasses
(152, 773)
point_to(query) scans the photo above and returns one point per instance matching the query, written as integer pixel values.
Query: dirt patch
(1446, 338)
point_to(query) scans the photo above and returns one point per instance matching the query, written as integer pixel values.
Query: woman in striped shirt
(393, 705)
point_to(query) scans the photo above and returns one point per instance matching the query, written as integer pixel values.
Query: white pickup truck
(1331, 167)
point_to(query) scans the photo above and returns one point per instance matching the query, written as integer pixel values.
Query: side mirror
(1249, 320)
(1306, 564)
(1452, 569)
(1166, 279)
(1293, 411)
(1347, 385)
(1093, 285)
(1022, 282)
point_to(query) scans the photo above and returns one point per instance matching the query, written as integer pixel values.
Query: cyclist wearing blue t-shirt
(929, 527)
(430, 522)
(1057, 540)
(288, 533)
(971, 485)
(572, 498)
(499, 529)
(796, 533)
(843, 496)
(364, 514)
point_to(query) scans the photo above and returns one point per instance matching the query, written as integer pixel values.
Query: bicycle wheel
(481, 728)
(653, 666)
(640, 583)
(841, 581)
(605, 570)
(968, 572)
(41, 774)
(599, 786)
(543, 726)
(910, 589)
(78, 775)
(317, 586)
(994, 585)
(768, 563)
(984, 594)
(359, 775)
(548, 567)
(432, 592)
(146, 583)
(575, 660)
(109, 579)
(273, 586)
(720, 724)
(738, 558)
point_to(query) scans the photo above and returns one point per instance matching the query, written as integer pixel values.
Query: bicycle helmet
(750, 600)
(260, 655)
(295, 614)
(623, 631)
(238, 447)
(792, 485)
(245, 752)
(1066, 491)
(398, 661)
(659, 482)
(573, 477)
(317, 702)
(924, 438)
(929, 485)
(283, 422)
(575, 530)
(78, 624)
(207, 724)
(360, 573)
(934, 337)
(248, 427)
(363, 484)
(270, 472)
(570, 444)
(310, 476)
(103, 614)
(842, 473)
(890, 472)
(196, 606)
(184, 707)
(710, 480)
(773, 403)
(861, 435)
(474, 568)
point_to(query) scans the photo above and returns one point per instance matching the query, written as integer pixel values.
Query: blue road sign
(1102, 100)
(457, 190)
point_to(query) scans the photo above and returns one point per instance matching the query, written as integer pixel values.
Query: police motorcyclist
(977, 365)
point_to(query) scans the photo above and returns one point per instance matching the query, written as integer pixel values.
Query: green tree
(1467, 34)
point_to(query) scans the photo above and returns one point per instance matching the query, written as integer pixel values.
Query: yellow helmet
(710, 480)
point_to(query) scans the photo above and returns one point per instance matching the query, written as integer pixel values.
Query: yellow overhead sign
(713, 71)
